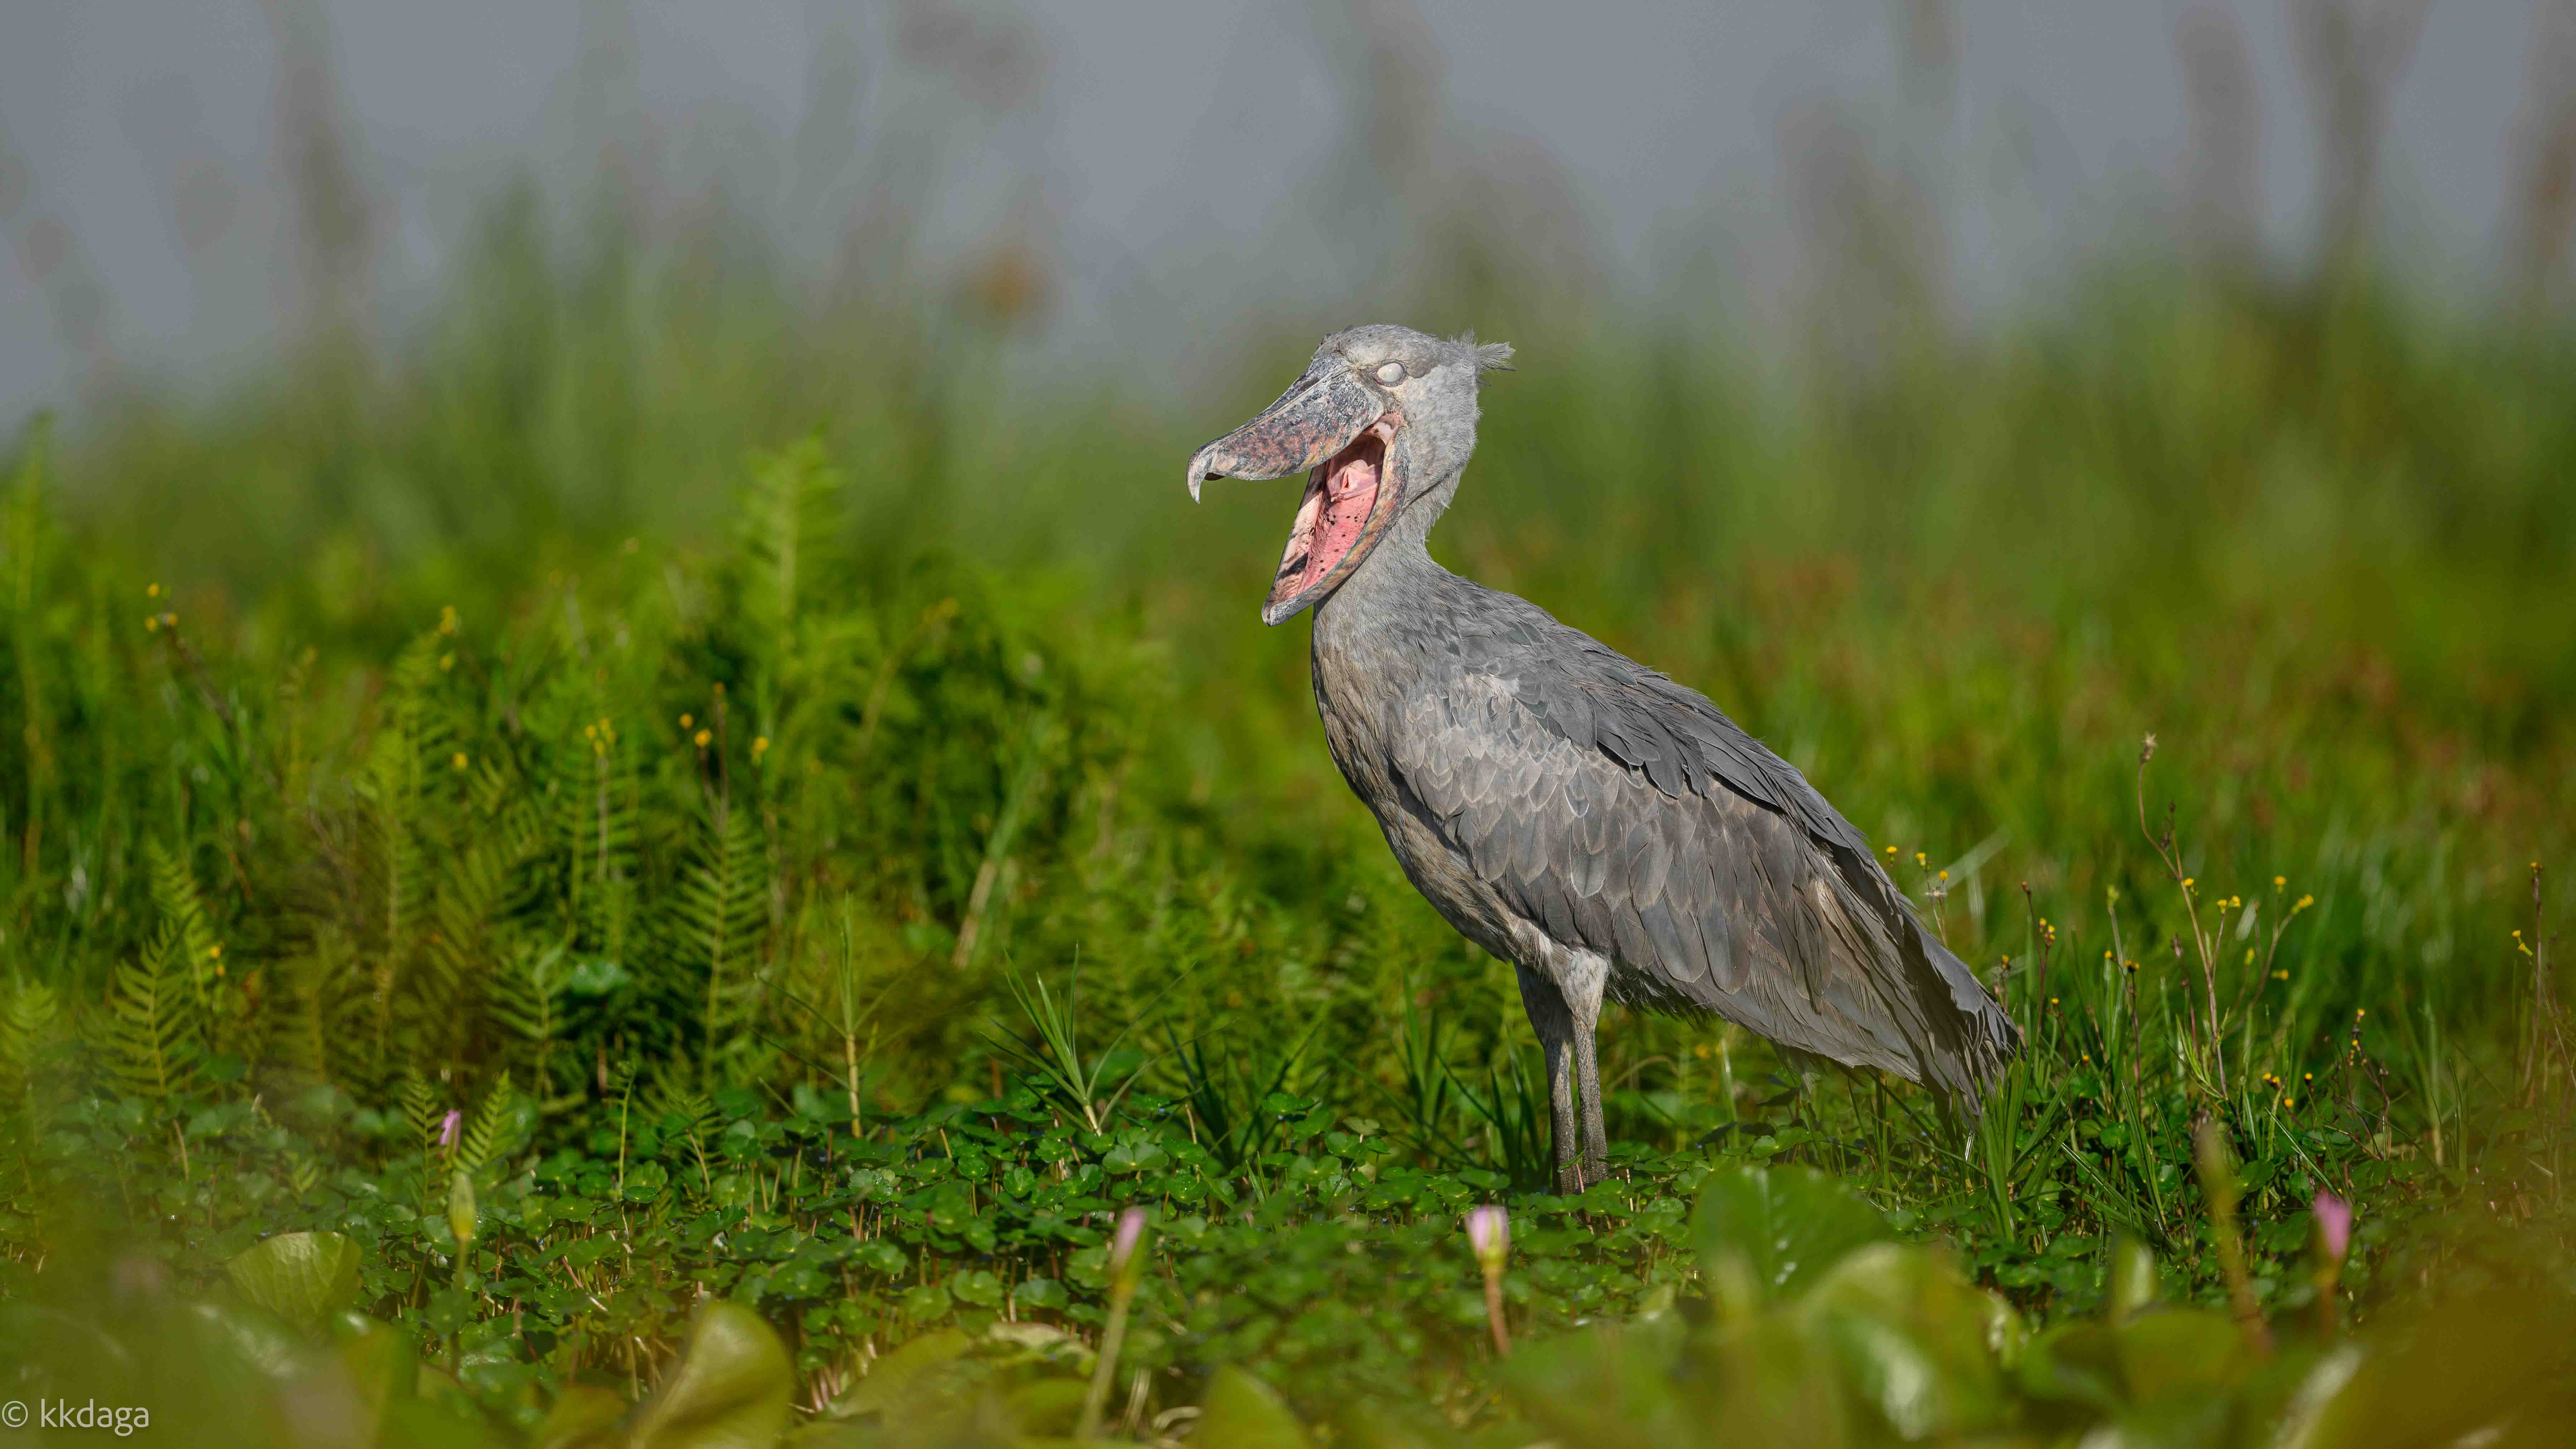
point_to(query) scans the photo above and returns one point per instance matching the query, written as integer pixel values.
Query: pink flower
(1131, 1231)
(1489, 1233)
(2334, 1224)
(449, 1125)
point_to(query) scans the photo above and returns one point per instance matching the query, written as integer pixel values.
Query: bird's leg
(1556, 1036)
(1587, 1081)
(1581, 977)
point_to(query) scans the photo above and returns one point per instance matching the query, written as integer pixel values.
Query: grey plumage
(1605, 829)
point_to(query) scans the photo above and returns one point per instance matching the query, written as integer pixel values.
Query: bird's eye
(1390, 373)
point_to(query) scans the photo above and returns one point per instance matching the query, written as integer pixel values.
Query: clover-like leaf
(978, 1286)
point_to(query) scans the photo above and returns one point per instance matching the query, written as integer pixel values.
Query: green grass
(835, 829)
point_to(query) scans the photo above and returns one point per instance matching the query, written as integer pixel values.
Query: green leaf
(878, 1255)
(1786, 1224)
(381, 1368)
(1131, 1157)
(1038, 1293)
(584, 1416)
(2180, 1351)
(250, 1334)
(2479, 1369)
(1242, 1412)
(729, 1390)
(301, 1277)
(1613, 1387)
(894, 1381)
(2074, 1363)
(1050, 1407)
(1911, 1339)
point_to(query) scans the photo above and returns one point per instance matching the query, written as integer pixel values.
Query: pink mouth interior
(1339, 498)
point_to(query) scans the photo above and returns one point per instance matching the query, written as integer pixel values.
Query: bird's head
(1381, 425)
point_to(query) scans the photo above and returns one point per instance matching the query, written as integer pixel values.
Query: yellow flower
(2186, 882)
(759, 746)
(446, 662)
(457, 760)
(151, 622)
(687, 720)
(215, 952)
(2279, 881)
(447, 620)
(702, 737)
(153, 592)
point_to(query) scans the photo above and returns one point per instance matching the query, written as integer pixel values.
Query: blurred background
(190, 190)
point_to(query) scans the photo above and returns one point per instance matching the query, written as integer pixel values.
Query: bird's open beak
(1336, 429)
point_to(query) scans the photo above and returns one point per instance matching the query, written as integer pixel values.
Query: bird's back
(1529, 776)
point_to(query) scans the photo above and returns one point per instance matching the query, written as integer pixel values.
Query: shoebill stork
(1609, 832)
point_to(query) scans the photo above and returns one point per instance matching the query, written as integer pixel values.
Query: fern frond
(447, 993)
(27, 1015)
(154, 1032)
(528, 1001)
(781, 519)
(488, 1131)
(723, 911)
(174, 895)
(322, 1016)
(423, 1109)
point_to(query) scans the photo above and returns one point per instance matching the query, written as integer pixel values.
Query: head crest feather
(1488, 356)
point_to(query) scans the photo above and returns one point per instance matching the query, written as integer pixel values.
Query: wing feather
(1618, 811)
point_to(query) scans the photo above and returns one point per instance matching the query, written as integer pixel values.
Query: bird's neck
(1395, 583)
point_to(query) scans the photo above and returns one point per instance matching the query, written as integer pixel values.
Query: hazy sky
(1168, 151)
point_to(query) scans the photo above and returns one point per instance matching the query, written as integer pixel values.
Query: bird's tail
(1966, 1059)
